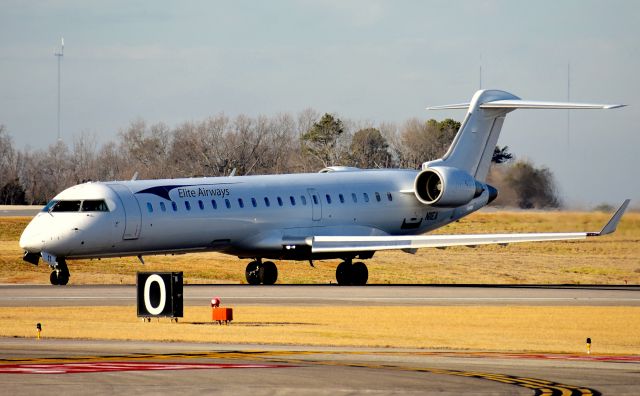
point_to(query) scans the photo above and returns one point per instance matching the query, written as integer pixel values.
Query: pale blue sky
(363, 60)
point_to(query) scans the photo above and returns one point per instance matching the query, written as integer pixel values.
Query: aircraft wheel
(63, 278)
(359, 274)
(53, 278)
(343, 273)
(269, 273)
(253, 273)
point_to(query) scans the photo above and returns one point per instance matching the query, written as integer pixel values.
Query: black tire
(343, 273)
(63, 278)
(253, 273)
(53, 278)
(359, 274)
(269, 273)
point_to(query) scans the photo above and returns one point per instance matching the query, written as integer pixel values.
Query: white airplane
(339, 213)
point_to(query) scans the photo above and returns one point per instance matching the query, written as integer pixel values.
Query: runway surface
(19, 210)
(73, 295)
(104, 367)
(29, 366)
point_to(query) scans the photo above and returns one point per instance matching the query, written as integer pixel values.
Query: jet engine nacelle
(446, 186)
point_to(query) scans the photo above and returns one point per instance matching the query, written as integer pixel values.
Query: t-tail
(464, 167)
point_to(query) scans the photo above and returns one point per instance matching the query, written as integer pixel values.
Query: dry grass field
(614, 259)
(613, 330)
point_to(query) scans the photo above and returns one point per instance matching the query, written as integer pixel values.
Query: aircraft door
(133, 216)
(316, 204)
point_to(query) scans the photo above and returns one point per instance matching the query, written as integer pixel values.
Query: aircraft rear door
(316, 204)
(133, 216)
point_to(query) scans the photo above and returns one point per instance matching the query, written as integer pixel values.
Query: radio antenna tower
(59, 55)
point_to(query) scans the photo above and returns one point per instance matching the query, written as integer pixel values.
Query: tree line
(219, 145)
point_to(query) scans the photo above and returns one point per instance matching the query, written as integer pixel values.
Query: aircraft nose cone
(30, 242)
(31, 239)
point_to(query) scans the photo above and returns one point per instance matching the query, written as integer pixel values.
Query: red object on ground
(222, 315)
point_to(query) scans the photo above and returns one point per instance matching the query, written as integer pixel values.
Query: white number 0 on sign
(163, 295)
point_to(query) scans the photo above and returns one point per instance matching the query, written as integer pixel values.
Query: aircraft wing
(326, 244)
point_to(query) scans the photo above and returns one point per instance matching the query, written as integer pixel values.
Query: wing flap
(333, 244)
(326, 244)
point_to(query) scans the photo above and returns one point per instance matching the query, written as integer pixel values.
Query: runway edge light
(589, 345)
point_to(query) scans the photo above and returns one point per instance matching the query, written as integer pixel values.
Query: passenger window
(214, 204)
(315, 199)
(66, 206)
(279, 201)
(293, 200)
(328, 198)
(227, 203)
(266, 202)
(174, 206)
(187, 205)
(240, 202)
(377, 196)
(149, 207)
(96, 205)
(201, 205)
(341, 197)
(389, 197)
(303, 199)
(254, 203)
(163, 207)
(366, 197)
(354, 197)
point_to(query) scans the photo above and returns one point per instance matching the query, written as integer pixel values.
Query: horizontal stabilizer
(534, 104)
(529, 104)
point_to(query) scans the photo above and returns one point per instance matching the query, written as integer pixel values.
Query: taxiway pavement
(78, 295)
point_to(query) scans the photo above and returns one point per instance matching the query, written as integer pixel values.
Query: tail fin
(472, 148)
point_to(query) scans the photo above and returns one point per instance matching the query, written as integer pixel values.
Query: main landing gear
(60, 274)
(355, 274)
(258, 272)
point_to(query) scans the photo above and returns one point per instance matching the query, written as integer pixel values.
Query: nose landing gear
(60, 274)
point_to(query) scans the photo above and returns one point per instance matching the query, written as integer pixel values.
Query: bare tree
(146, 150)
(7, 157)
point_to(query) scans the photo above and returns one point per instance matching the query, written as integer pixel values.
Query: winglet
(613, 223)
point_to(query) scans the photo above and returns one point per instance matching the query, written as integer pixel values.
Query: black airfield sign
(159, 294)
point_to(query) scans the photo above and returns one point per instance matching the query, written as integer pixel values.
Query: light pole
(59, 55)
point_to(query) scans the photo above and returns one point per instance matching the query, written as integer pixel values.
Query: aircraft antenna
(59, 54)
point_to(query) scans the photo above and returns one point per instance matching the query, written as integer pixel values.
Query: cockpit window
(89, 205)
(66, 206)
(97, 205)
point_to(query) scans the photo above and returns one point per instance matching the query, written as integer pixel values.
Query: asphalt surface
(29, 366)
(19, 210)
(74, 295)
(107, 367)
